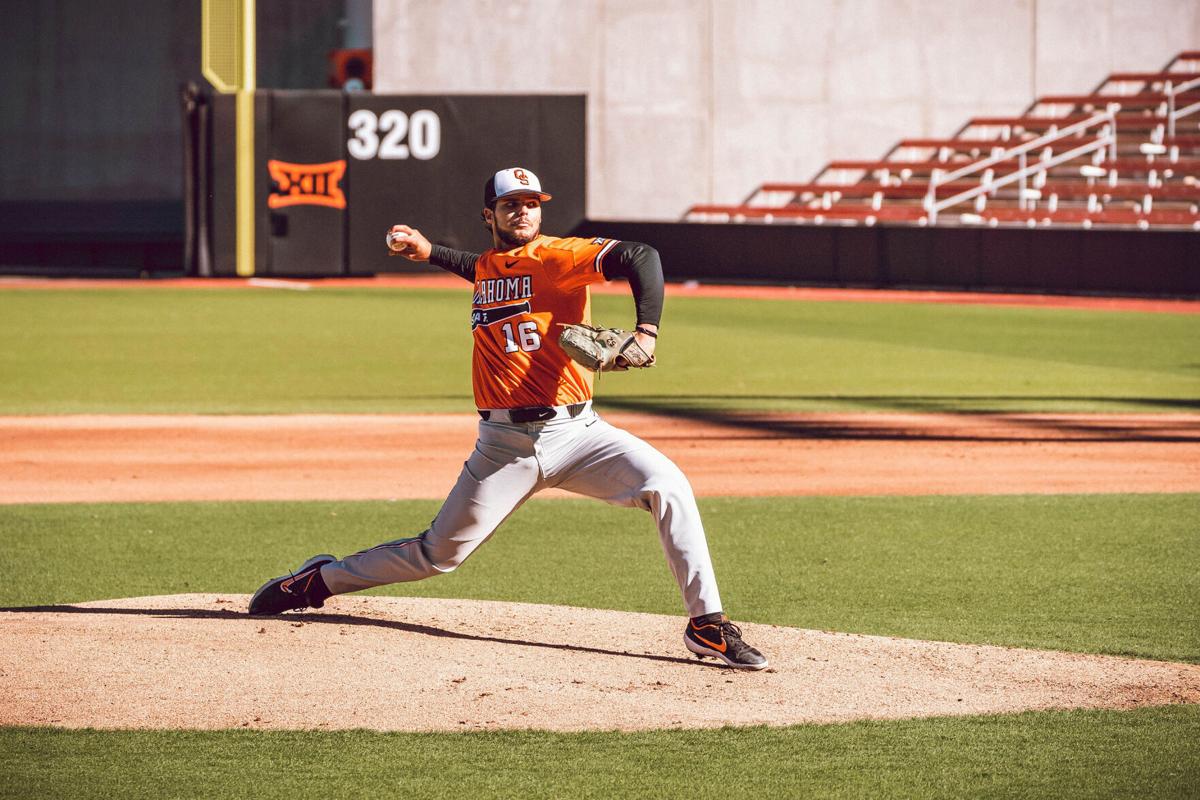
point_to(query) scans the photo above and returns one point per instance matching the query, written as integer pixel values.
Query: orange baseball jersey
(520, 297)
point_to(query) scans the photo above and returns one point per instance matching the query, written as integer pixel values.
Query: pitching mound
(197, 661)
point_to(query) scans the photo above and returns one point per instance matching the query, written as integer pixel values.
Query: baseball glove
(603, 349)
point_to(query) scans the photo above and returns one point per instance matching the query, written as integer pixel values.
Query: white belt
(536, 414)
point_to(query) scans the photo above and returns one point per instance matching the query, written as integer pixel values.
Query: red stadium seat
(1126, 154)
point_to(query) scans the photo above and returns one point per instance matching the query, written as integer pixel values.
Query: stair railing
(1173, 113)
(1105, 141)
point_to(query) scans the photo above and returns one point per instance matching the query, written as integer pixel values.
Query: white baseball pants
(511, 462)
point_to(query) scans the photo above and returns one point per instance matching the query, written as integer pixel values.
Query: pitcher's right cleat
(714, 635)
(301, 589)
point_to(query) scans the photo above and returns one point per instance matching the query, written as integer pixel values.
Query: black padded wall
(334, 171)
(1039, 260)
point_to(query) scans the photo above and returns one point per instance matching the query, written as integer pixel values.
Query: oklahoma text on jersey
(501, 290)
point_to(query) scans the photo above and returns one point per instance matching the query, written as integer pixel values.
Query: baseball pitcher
(534, 360)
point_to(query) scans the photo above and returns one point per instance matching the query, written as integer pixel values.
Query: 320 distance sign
(394, 134)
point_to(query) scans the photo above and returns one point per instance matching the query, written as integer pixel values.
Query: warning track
(687, 289)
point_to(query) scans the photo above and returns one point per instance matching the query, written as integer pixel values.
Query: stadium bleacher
(1127, 155)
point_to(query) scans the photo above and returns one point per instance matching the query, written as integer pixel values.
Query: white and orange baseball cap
(514, 180)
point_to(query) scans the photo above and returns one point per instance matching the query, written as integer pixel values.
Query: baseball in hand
(398, 241)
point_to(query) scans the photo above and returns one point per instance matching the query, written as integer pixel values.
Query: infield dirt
(54, 459)
(416, 664)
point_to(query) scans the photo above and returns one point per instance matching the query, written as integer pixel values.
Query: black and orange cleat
(293, 592)
(714, 635)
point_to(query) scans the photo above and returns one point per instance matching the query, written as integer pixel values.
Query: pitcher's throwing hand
(408, 242)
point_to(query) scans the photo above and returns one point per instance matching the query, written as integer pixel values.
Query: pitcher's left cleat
(714, 635)
(298, 590)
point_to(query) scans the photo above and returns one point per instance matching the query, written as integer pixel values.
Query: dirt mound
(198, 661)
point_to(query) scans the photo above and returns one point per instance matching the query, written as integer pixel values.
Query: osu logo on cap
(520, 175)
(307, 184)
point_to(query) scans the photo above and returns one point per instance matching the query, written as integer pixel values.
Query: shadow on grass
(1021, 426)
(345, 619)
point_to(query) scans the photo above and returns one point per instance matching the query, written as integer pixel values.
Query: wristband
(646, 331)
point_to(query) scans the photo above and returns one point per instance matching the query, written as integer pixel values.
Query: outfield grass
(1115, 574)
(1079, 754)
(393, 350)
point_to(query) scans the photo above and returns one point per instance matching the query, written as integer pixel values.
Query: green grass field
(1116, 574)
(1078, 754)
(374, 350)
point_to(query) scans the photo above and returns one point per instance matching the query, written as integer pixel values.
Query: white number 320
(423, 130)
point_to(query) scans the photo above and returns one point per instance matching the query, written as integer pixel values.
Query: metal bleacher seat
(1127, 154)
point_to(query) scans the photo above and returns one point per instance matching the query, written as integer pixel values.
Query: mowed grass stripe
(1079, 754)
(1115, 574)
(393, 350)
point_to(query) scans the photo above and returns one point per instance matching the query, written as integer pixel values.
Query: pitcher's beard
(511, 239)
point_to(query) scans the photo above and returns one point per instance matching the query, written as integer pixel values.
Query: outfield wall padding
(987, 259)
(334, 170)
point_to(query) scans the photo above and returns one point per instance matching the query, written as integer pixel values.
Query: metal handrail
(1173, 113)
(1107, 140)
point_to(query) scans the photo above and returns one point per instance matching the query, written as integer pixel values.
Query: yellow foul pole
(245, 144)
(228, 61)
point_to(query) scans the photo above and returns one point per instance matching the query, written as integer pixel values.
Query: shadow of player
(347, 619)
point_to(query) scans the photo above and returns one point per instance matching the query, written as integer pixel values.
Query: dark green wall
(90, 109)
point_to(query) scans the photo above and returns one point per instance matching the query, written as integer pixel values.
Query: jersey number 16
(528, 334)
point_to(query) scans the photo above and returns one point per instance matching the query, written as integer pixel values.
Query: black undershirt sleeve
(640, 265)
(460, 262)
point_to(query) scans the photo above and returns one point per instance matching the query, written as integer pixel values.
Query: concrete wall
(695, 101)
